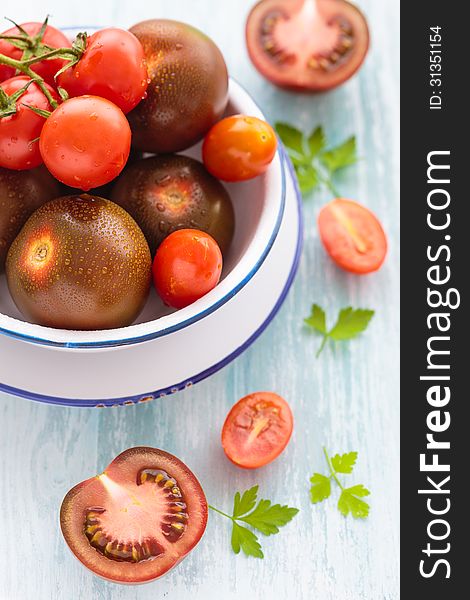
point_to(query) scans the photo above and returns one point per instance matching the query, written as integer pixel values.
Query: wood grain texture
(346, 400)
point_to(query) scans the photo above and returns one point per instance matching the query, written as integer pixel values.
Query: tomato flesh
(353, 236)
(19, 147)
(47, 68)
(113, 67)
(239, 148)
(307, 45)
(86, 142)
(187, 265)
(138, 519)
(257, 429)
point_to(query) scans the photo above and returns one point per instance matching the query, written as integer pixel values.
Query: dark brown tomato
(188, 91)
(138, 519)
(167, 193)
(80, 262)
(307, 45)
(21, 193)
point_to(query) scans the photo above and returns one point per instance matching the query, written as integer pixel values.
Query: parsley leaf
(350, 323)
(321, 488)
(349, 502)
(342, 156)
(344, 463)
(350, 499)
(315, 166)
(263, 517)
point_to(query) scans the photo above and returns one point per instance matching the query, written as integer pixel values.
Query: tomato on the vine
(19, 148)
(52, 37)
(187, 265)
(113, 66)
(86, 142)
(239, 147)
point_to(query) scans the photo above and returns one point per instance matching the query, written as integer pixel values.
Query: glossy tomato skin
(79, 262)
(19, 148)
(86, 141)
(257, 429)
(46, 68)
(187, 265)
(171, 192)
(113, 67)
(239, 148)
(112, 493)
(188, 91)
(353, 236)
(21, 193)
(303, 49)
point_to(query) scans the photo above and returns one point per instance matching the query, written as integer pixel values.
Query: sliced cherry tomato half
(113, 66)
(307, 45)
(257, 429)
(138, 519)
(353, 236)
(238, 148)
(46, 68)
(86, 142)
(187, 266)
(19, 132)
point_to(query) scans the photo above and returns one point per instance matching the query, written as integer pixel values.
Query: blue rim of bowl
(140, 398)
(187, 322)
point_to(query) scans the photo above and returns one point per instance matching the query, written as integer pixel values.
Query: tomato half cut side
(353, 236)
(307, 45)
(138, 519)
(257, 429)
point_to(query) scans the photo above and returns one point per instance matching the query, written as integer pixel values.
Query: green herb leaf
(317, 319)
(350, 499)
(307, 177)
(246, 540)
(243, 504)
(350, 323)
(344, 463)
(291, 137)
(349, 502)
(342, 156)
(321, 488)
(267, 517)
(316, 141)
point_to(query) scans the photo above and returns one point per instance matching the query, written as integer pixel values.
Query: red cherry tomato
(19, 148)
(47, 68)
(352, 236)
(238, 148)
(307, 45)
(257, 429)
(86, 142)
(187, 265)
(113, 67)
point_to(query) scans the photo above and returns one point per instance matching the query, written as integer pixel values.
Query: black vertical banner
(435, 321)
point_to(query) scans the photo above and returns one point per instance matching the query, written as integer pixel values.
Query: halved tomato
(353, 236)
(138, 519)
(257, 429)
(307, 45)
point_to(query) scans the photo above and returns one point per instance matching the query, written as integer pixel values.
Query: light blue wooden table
(347, 400)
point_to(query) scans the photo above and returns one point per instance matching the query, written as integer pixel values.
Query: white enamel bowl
(165, 351)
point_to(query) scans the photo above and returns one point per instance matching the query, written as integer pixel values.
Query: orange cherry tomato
(239, 148)
(353, 236)
(257, 429)
(187, 265)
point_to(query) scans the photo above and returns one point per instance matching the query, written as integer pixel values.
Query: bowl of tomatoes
(156, 229)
